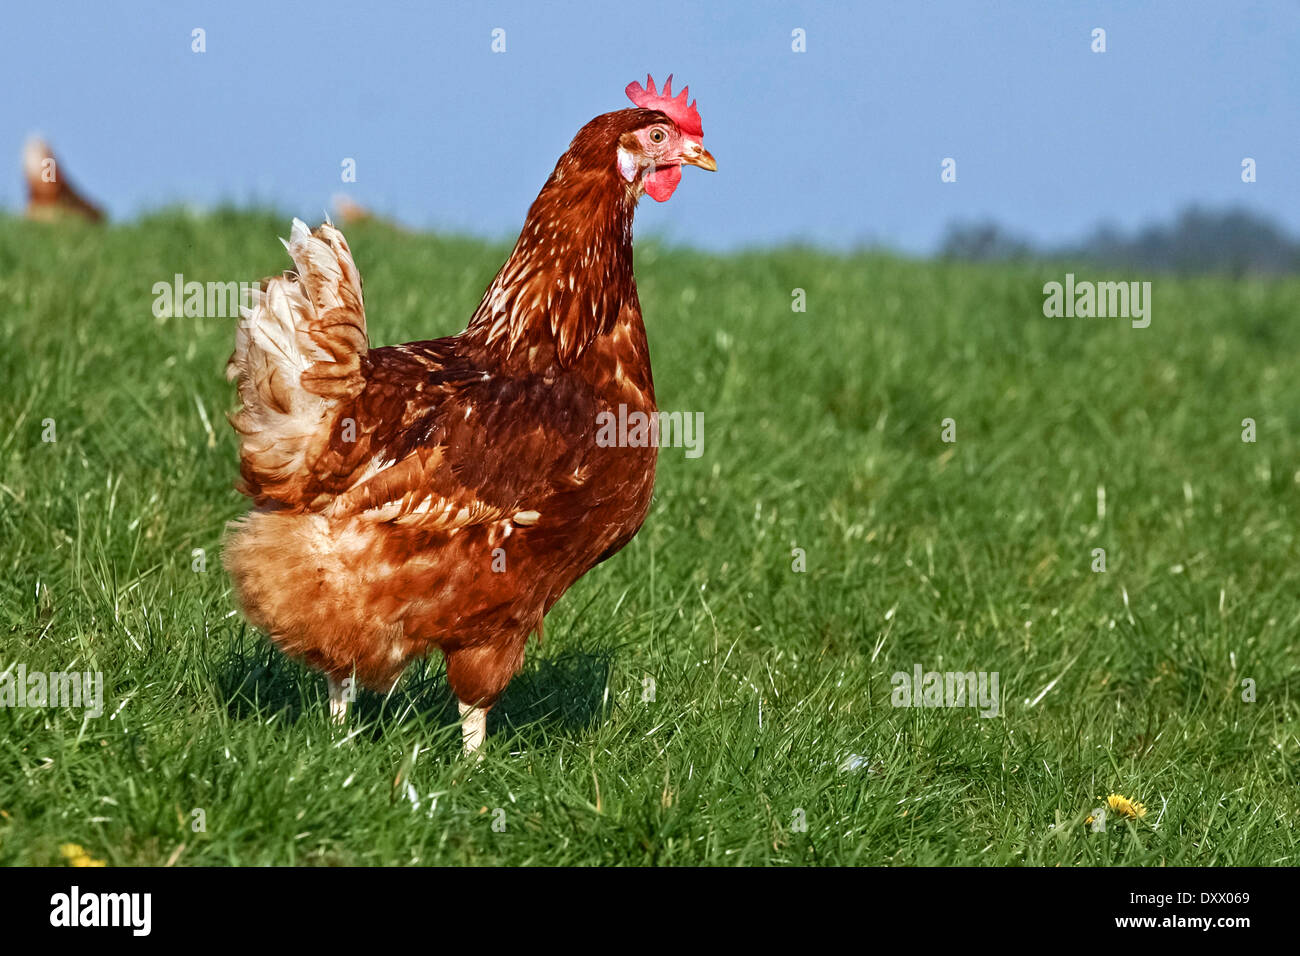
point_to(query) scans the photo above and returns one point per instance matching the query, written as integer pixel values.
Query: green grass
(822, 432)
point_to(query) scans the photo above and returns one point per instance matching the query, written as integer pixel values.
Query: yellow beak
(697, 155)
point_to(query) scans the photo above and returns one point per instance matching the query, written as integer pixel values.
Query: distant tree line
(1233, 241)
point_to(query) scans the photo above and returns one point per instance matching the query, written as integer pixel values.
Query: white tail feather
(297, 358)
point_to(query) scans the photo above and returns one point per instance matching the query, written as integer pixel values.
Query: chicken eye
(657, 136)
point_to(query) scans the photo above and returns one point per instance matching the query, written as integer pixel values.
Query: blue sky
(840, 145)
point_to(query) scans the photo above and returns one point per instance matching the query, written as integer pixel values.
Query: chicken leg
(338, 701)
(473, 728)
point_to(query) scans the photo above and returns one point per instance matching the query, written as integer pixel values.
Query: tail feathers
(39, 170)
(297, 361)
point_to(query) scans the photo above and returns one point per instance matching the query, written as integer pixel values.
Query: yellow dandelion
(76, 856)
(1120, 806)
(1126, 807)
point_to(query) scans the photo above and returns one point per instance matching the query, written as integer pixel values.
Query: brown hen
(50, 196)
(445, 494)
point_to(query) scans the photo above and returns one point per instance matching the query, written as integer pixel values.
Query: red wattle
(660, 183)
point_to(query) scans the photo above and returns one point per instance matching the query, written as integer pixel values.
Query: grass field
(771, 738)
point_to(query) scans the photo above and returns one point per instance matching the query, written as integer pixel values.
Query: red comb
(647, 97)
